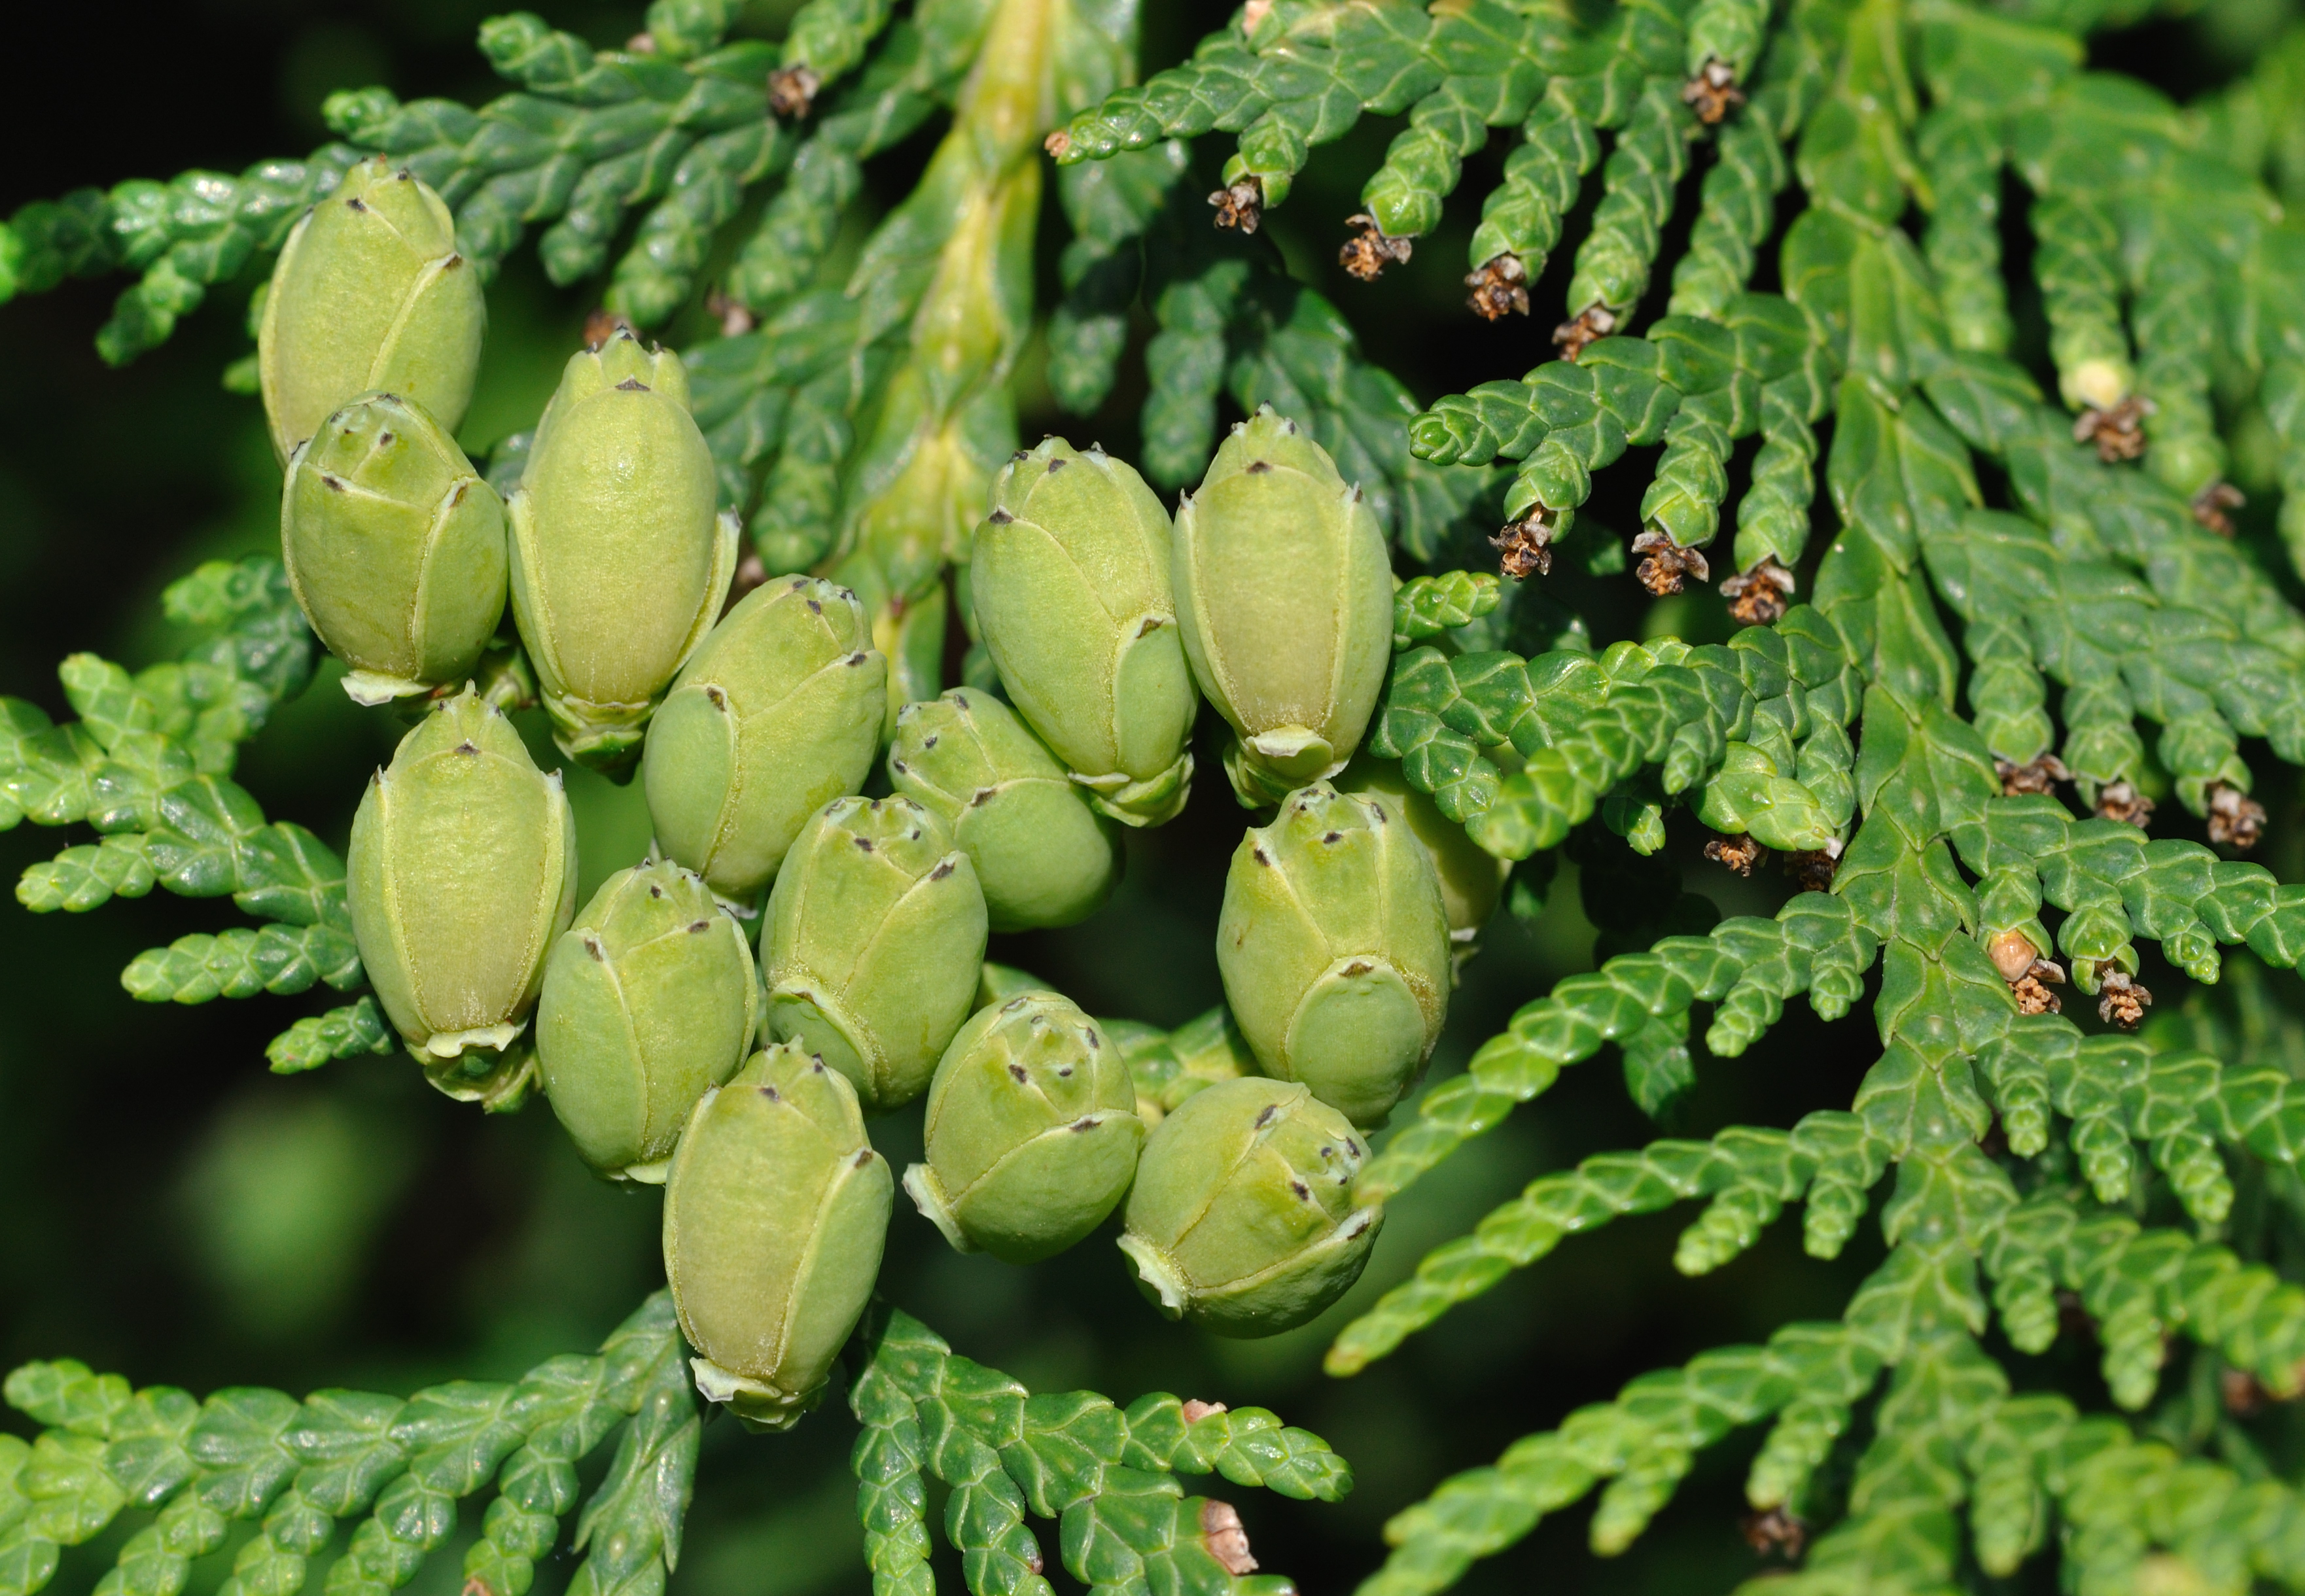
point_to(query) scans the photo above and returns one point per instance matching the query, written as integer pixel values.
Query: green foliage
(397, 1470)
(2020, 568)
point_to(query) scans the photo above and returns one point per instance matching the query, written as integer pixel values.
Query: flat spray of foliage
(1896, 736)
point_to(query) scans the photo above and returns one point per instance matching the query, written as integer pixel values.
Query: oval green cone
(1334, 948)
(1031, 1131)
(1044, 856)
(394, 548)
(1069, 577)
(369, 295)
(874, 941)
(778, 714)
(649, 1001)
(462, 872)
(775, 1212)
(1242, 1217)
(1285, 594)
(619, 567)
(1472, 878)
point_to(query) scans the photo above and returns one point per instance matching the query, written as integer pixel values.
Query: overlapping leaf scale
(1748, 967)
(1522, 751)
(1105, 1473)
(1749, 1175)
(296, 1469)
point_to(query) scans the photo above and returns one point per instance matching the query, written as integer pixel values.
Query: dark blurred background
(175, 1213)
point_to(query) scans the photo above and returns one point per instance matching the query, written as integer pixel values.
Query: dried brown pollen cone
(1240, 203)
(1499, 288)
(1226, 1538)
(2035, 777)
(1761, 596)
(2120, 801)
(1593, 323)
(1740, 854)
(792, 90)
(2121, 1000)
(1666, 567)
(1525, 547)
(1713, 93)
(1370, 250)
(2118, 432)
(2236, 820)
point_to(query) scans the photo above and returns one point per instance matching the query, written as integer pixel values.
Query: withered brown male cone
(1666, 567)
(1810, 869)
(2119, 433)
(1500, 287)
(1593, 323)
(1759, 597)
(2035, 779)
(2236, 820)
(792, 90)
(1713, 93)
(2120, 801)
(1740, 854)
(2212, 503)
(1226, 1538)
(1366, 254)
(1240, 203)
(1776, 1530)
(1524, 548)
(2121, 1000)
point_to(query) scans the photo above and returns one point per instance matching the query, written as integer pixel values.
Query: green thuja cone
(619, 567)
(1242, 1217)
(1285, 595)
(1472, 878)
(1044, 856)
(649, 999)
(1069, 577)
(774, 1216)
(872, 945)
(369, 295)
(778, 714)
(395, 548)
(1031, 1131)
(461, 872)
(1334, 947)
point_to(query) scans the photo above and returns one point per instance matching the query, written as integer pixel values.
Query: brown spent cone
(1761, 596)
(2120, 801)
(1740, 854)
(1666, 567)
(2036, 778)
(1226, 1537)
(1777, 1531)
(2244, 1395)
(1525, 547)
(792, 90)
(1195, 1409)
(1057, 143)
(2212, 503)
(1499, 289)
(1713, 93)
(1593, 323)
(734, 317)
(2236, 820)
(1810, 869)
(2120, 1000)
(1367, 253)
(604, 324)
(1240, 203)
(2119, 433)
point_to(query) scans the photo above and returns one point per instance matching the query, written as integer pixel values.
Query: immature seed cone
(1242, 1217)
(394, 548)
(774, 1216)
(1333, 943)
(461, 872)
(1285, 595)
(1044, 856)
(1472, 878)
(1069, 577)
(778, 714)
(369, 295)
(1031, 1131)
(649, 999)
(874, 942)
(618, 564)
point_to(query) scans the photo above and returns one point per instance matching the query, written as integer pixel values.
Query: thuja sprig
(1106, 1473)
(394, 1469)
